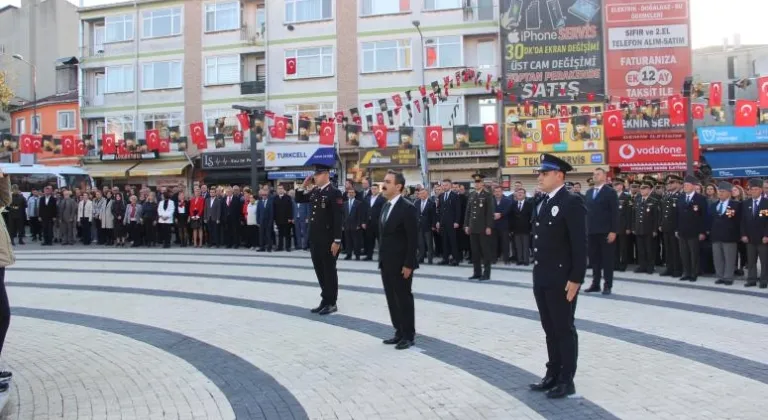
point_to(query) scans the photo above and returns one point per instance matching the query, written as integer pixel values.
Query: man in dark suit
(352, 217)
(212, 217)
(397, 258)
(371, 214)
(265, 218)
(754, 233)
(501, 219)
(522, 210)
(691, 227)
(560, 264)
(427, 220)
(602, 226)
(724, 232)
(48, 213)
(233, 213)
(283, 208)
(448, 217)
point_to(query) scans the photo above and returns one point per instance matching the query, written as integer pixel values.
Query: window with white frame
(36, 125)
(161, 121)
(66, 120)
(441, 4)
(119, 28)
(161, 75)
(308, 10)
(442, 114)
(443, 51)
(222, 16)
(309, 112)
(119, 125)
(487, 110)
(222, 70)
(486, 54)
(386, 55)
(21, 126)
(161, 22)
(311, 62)
(119, 79)
(383, 7)
(221, 121)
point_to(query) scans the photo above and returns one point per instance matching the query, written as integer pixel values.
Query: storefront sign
(648, 47)
(581, 129)
(729, 135)
(463, 153)
(299, 155)
(738, 163)
(230, 160)
(130, 156)
(553, 50)
(649, 155)
(399, 157)
(293, 174)
(533, 160)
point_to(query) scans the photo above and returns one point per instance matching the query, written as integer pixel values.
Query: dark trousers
(646, 253)
(371, 235)
(501, 244)
(134, 233)
(231, 236)
(149, 232)
(482, 252)
(213, 232)
(99, 232)
(672, 254)
(5, 310)
(34, 228)
(265, 236)
(164, 230)
(450, 245)
(352, 241)
(284, 236)
(400, 301)
(251, 236)
(325, 269)
(47, 231)
(602, 257)
(85, 230)
(557, 316)
(426, 246)
(755, 252)
(522, 247)
(16, 228)
(622, 252)
(690, 250)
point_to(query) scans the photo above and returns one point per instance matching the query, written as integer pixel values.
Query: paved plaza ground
(132, 333)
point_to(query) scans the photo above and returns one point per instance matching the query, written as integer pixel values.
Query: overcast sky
(711, 20)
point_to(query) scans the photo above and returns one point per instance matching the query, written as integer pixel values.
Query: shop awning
(160, 168)
(738, 163)
(109, 170)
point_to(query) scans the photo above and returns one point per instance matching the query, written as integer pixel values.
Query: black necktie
(384, 212)
(544, 203)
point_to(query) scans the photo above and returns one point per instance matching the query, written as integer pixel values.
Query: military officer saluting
(324, 233)
(478, 223)
(560, 263)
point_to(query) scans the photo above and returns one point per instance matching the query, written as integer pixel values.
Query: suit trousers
(672, 254)
(450, 245)
(646, 252)
(284, 236)
(213, 232)
(165, 231)
(301, 232)
(426, 246)
(501, 244)
(352, 241)
(325, 269)
(371, 235)
(251, 236)
(16, 228)
(690, 252)
(67, 232)
(481, 246)
(85, 230)
(265, 236)
(523, 247)
(557, 315)
(724, 256)
(47, 230)
(622, 252)
(399, 301)
(5, 310)
(34, 227)
(150, 229)
(602, 257)
(755, 252)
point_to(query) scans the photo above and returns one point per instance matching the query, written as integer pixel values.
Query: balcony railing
(105, 50)
(256, 87)
(253, 35)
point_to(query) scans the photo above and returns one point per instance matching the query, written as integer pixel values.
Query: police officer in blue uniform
(325, 220)
(560, 264)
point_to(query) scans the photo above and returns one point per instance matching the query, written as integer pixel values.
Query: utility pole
(687, 90)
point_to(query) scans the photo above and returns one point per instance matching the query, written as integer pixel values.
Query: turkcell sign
(730, 135)
(299, 155)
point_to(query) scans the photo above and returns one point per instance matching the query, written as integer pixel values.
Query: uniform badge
(481, 204)
(695, 208)
(555, 210)
(648, 210)
(620, 206)
(323, 205)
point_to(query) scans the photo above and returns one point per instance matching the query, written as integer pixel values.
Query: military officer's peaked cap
(554, 163)
(673, 177)
(321, 168)
(478, 177)
(649, 178)
(725, 186)
(755, 182)
(645, 184)
(690, 179)
(619, 180)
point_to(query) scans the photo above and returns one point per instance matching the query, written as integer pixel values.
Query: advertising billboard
(578, 129)
(649, 155)
(553, 49)
(299, 155)
(648, 48)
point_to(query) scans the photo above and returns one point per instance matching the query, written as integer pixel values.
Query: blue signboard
(299, 155)
(738, 163)
(730, 135)
(293, 174)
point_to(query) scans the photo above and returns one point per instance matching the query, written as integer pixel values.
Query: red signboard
(649, 155)
(648, 48)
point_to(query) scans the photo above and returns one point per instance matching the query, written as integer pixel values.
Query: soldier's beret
(725, 186)
(690, 179)
(755, 182)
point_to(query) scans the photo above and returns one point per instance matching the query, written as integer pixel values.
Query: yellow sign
(579, 160)
(579, 128)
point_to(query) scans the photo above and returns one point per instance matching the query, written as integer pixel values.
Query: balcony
(256, 87)
(253, 35)
(479, 11)
(96, 52)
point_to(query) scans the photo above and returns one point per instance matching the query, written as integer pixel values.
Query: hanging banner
(553, 49)
(648, 47)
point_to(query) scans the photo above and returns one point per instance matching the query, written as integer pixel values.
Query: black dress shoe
(484, 278)
(665, 274)
(692, 279)
(328, 309)
(3, 387)
(763, 285)
(592, 289)
(393, 340)
(728, 282)
(546, 383)
(474, 277)
(562, 390)
(5, 376)
(404, 344)
(684, 278)
(607, 291)
(318, 309)
(719, 281)
(348, 257)
(750, 283)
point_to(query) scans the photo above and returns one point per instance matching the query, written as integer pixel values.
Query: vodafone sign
(649, 155)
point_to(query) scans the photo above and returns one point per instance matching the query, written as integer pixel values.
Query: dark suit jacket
(692, 217)
(212, 212)
(521, 220)
(49, 211)
(725, 227)
(351, 220)
(602, 211)
(448, 211)
(265, 215)
(398, 237)
(753, 225)
(283, 208)
(504, 207)
(427, 217)
(234, 211)
(371, 214)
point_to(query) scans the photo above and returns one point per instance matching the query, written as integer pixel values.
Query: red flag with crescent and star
(153, 140)
(197, 132)
(746, 113)
(245, 120)
(108, 144)
(278, 130)
(677, 112)
(290, 66)
(434, 138)
(26, 143)
(613, 124)
(762, 89)
(237, 137)
(68, 145)
(165, 146)
(327, 133)
(698, 111)
(380, 134)
(491, 134)
(80, 149)
(550, 131)
(715, 94)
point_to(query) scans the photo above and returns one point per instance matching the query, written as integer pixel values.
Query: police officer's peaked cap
(648, 184)
(554, 163)
(725, 186)
(755, 182)
(478, 177)
(619, 180)
(690, 179)
(319, 167)
(568, 184)
(675, 178)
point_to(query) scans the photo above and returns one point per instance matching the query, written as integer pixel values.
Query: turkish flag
(165, 146)
(26, 143)
(550, 131)
(290, 66)
(677, 112)
(80, 147)
(380, 118)
(237, 136)
(153, 140)
(398, 100)
(245, 120)
(762, 89)
(197, 131)
(339, 117)
(613, 124)
(746, 113)
(121, 150)
(434, 135)
(380, 133)
(68, 145)
(491, 134)
(327, 133)
(423, 91)
(108, 144)
(698, 111)
(715, 94)
(279, 128)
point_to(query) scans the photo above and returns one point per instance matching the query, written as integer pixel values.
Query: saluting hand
(571, 290)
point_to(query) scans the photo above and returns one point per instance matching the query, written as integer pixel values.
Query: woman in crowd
(118, 212)
(251, 228)
(108, 219)
(182, 217)
(149, 219)
(165, 211)
(99, 202)
(133, 221)
(710, 191)
(196, 209)
(6, 258)
(84, 217)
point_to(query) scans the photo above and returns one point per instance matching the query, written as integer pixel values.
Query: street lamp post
(424, 115)
(34, 89)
